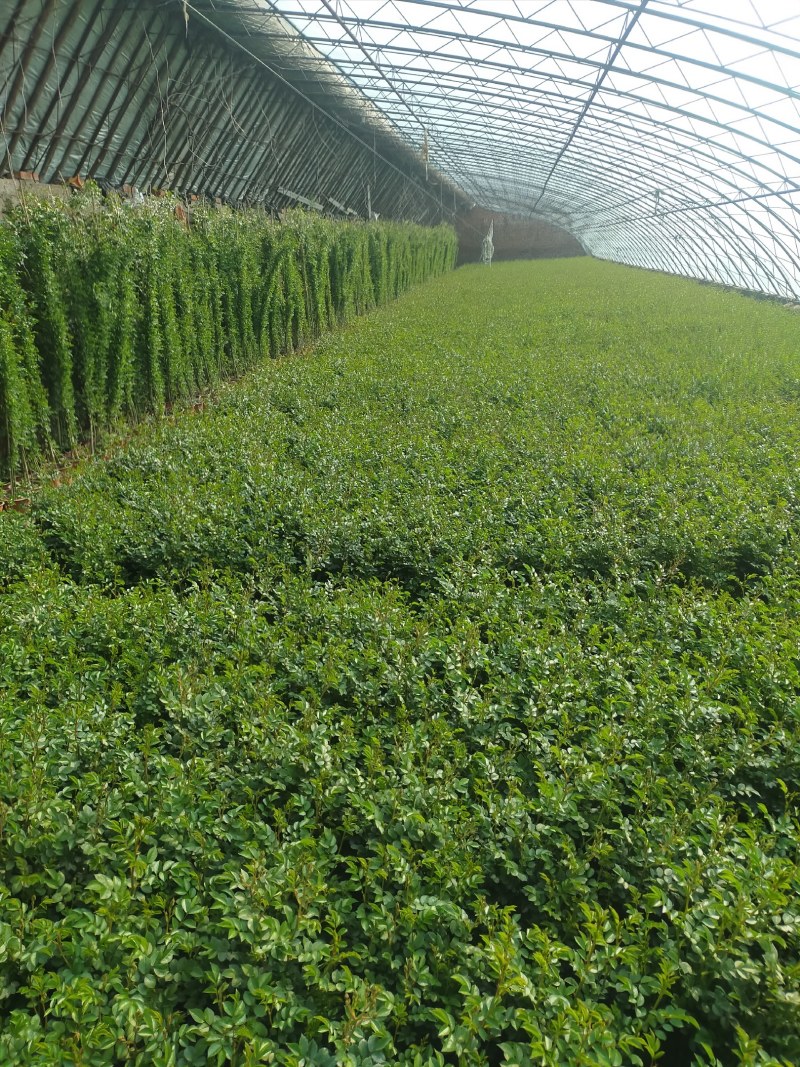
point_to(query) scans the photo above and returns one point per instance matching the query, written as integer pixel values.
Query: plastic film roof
(210, 98)
(660, 133)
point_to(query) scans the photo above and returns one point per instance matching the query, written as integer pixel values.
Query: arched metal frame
(660, 133)
(173, 94)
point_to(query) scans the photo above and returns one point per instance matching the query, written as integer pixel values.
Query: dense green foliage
(112, 311)
(431, 699)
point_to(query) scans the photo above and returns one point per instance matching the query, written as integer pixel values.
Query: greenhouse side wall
(137, 95)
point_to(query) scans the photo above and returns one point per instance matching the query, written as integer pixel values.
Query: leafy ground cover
(431, 698)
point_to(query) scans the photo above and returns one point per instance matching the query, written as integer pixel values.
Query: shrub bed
(432, 699)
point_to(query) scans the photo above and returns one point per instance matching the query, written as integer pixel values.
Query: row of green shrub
(110, 312)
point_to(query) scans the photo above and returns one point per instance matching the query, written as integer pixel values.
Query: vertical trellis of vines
(110, 310)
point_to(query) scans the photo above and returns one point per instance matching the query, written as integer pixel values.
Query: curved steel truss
(660, 133)
(196, 97)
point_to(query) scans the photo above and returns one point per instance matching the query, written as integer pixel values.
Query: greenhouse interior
(400, 533)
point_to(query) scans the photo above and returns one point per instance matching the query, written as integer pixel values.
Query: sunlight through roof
(660, 133)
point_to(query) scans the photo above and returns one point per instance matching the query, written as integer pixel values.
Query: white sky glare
(687, 145)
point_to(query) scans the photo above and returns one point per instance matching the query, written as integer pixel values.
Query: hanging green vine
(47, 260)
(110, 311)
(23, 400)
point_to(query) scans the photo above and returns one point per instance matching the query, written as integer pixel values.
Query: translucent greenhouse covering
(660, 133)
(213, 99)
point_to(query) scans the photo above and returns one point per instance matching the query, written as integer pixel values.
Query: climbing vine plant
(110, 312)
